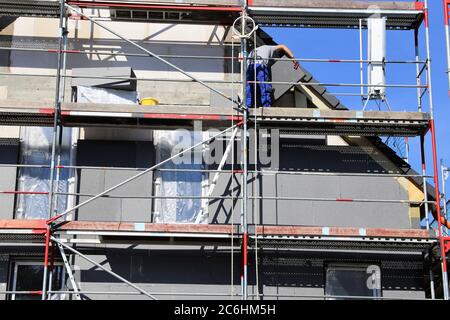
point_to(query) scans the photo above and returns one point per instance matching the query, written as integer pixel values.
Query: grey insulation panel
(130, 202)
(9, 154)
(311, 200)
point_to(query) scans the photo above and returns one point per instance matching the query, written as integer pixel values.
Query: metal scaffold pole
(447, 38)
(426, 207)
(61, 100)
(444, 172)
(435, 159)
(418, 76)
(56, 130)
(244, 158)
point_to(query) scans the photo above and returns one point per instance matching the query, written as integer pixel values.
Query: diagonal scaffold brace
(203, 212)
(103, 268)
(69, 272)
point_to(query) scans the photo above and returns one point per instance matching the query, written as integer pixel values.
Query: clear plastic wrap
(102, 95)
(36, 150)
(178, 184)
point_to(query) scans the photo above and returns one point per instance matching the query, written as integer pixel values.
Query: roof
(401, 15)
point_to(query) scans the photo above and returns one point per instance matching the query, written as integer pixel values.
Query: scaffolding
(245, 238)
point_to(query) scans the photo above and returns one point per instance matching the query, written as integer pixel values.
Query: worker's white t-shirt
(264, 54)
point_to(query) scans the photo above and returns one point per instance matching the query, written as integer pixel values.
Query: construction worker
(262, 63)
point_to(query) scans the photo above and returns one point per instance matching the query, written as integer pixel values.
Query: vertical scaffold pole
(361, 66)
(422, 151)
(444, 200)
(426, 207)
(57, 109)
(435, 160)
(439, 214)
(424, 181)
(244, 156)
(61, 100)
(447, 39)
(418, 78)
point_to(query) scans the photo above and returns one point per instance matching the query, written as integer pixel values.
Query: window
(352, 280)
(180, 185)
(27, 276)
(35, 149)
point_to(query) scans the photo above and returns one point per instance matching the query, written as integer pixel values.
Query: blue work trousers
(263, 90)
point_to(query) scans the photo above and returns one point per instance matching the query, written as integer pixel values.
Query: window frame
(357, 267)
(15, 263)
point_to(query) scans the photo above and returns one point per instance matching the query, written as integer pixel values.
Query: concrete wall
(163, 39)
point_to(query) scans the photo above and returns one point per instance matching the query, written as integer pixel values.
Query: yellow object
(149, 101)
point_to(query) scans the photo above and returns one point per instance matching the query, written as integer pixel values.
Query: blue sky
(344, 44)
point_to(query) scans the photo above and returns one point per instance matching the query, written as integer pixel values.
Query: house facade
(330, 210)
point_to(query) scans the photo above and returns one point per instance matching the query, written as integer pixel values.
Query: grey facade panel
(4, 266)
(131, 154)
(295, 154)
(225, 210)
(311, 199)
(315, 213)
(361, 215)
(9, 154)
(128, 202)
(116, 209)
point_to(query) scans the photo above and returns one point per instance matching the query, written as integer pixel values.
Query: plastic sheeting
(102, 95)
(178, 183)
(36, 148)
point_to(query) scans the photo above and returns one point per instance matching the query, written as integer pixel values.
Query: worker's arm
(288, 52)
